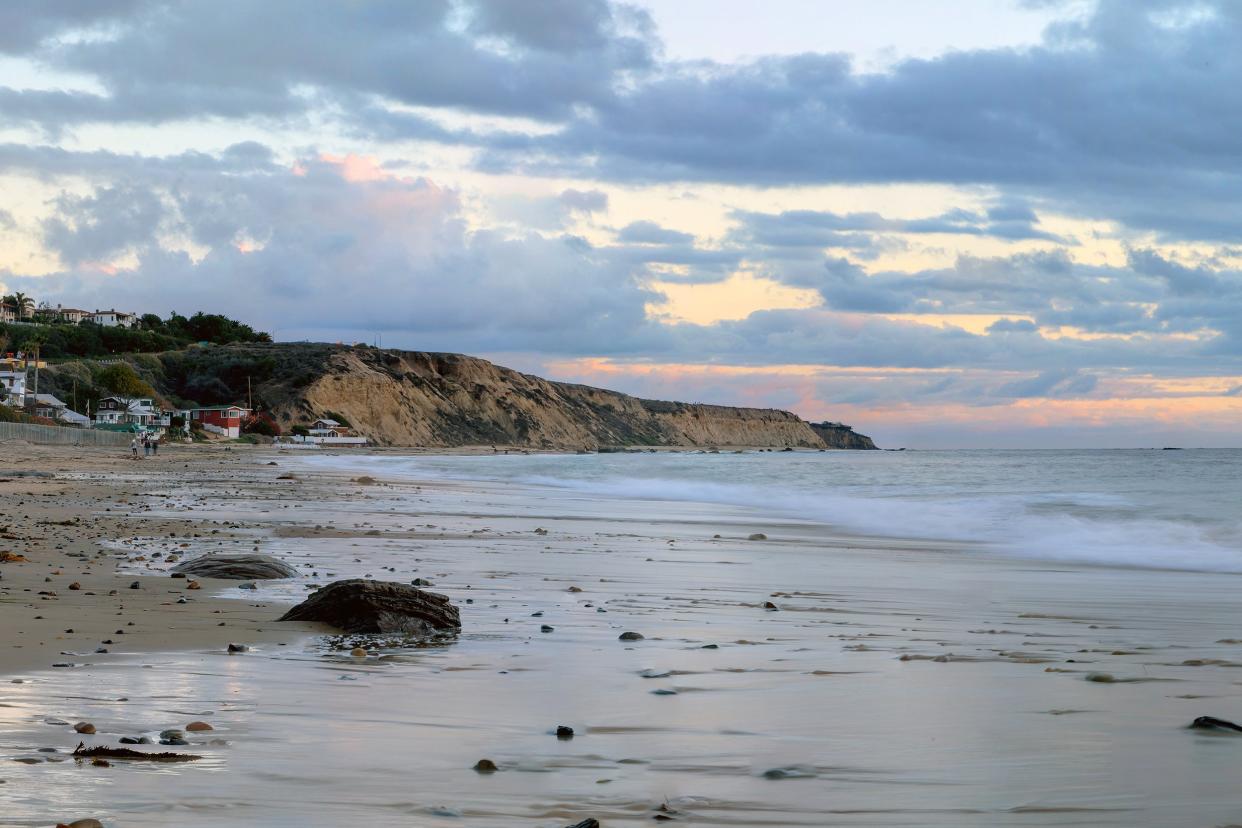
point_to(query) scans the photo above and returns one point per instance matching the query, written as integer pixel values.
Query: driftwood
(83, 752)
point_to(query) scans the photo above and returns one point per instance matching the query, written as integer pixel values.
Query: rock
(238, 648)
(586, 823)
(246, 567)
(1213, 723)
(358, 652)
(768, 605)
(248, 585)
(193, 585)
(362, 606)
(574, 589)
(630, 636)
(75, 586)
(564, 732)
(1100, 678)
(81, 823)
(547, 628)
(485, 766)
(135, 585)
(130, 740)
(84, 727)
(757, 536)
(195, 727)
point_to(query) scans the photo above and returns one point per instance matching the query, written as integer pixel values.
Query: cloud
(648, 232)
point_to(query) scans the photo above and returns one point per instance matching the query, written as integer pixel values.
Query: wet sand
(895, 683)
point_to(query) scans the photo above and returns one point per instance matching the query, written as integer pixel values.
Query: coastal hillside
(414, 398)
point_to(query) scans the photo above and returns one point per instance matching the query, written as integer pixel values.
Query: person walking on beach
(155, 447)
(146, 446)
(133, 447)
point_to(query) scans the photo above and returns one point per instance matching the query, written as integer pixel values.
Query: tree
(24, 304)
(124, 384)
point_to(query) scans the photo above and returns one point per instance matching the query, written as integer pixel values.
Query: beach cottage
(225, 420)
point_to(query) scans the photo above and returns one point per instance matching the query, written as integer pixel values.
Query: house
(113, 319)
(225, 420)
(70, 315)
(119, 410)
(8, 312)
(325, 427)
(48, 406)
(12, 382)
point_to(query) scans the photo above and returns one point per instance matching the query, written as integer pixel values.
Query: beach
(789, 672)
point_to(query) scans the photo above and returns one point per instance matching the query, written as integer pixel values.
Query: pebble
(564, 732)
(84, 727)
(198, 726)
(193, 585)
(485, 766)
(757, 536)
(358, 652)
(547, 628)
(238, 648)
(75, 586)
(630, 636)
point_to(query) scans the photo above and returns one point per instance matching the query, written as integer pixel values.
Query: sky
(986, 223)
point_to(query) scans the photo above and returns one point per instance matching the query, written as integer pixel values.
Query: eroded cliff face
(841, 436)
(403, 398)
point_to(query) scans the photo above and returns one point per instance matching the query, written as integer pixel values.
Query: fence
(58, 436)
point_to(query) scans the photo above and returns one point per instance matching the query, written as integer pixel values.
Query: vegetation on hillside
(58, 341)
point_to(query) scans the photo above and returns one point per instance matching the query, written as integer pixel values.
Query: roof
(326, 421)
(48, 399)
(71, 416)
(219, 408)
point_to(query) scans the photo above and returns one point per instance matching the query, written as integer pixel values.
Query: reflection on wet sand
(887, 684)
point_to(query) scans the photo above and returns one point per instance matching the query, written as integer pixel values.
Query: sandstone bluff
(416, 398)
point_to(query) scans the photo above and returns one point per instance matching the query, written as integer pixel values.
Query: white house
(113, 319)
(119, 411)
(12, 382)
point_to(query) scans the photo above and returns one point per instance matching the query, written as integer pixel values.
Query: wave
(1085, 528)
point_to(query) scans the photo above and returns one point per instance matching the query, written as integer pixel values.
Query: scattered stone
(574, 589)
(84, 727)
(358, 652)
(1100, 678)
(564, 732)
(82, 823)
(547, 628)
(195, 727)
(768, 605)
(586, 823)
(247, 567)
(757, 536)
(485, 766)
(361, 606)
(238, 648)
(75, 586)
(193, 585)
(248, 585)
(630, 636)
(135, 585)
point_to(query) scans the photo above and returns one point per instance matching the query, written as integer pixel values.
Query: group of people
(149, 444)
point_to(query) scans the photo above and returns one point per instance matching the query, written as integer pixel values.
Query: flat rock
(249, 567)
(364, 606)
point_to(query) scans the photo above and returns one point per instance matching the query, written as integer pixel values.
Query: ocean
(1131, 508)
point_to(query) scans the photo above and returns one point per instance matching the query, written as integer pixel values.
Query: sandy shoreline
(896, 683)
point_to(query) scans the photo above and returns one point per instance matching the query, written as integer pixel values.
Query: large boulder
(236, 567)
(362, 606)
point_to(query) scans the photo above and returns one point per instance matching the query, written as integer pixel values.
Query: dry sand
(894, 683)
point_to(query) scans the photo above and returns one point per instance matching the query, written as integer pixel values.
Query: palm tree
(24, 304)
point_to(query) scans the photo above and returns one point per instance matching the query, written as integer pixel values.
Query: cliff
(412, 398)
(841, 436)
(427, 399)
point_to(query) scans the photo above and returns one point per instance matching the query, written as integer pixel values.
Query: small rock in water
(84, 727)
(1100, 678)
(1213, 723)
(768, 605)
(574, 589)
(135, 585)
(793, 772)
(130, 740)
(358, 652)
(485, 766)
(630, 636)
(198, 726)
(564, 732)
(193, 585)
(81, 823)
(758, 536)
(238, 648)
(586, 823)
(547, 628)
(247, 585)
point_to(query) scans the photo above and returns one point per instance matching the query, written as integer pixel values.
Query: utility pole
(249, 396)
